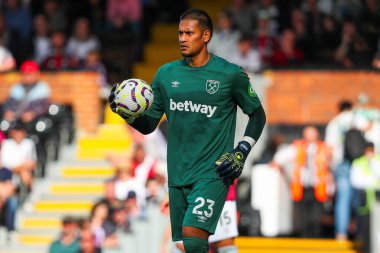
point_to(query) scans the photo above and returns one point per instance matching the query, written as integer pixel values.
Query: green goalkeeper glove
(230, 165)
(113, 105)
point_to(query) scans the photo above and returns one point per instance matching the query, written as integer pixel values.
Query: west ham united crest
(212, 86)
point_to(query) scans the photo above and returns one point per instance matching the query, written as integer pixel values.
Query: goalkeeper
(199, 95)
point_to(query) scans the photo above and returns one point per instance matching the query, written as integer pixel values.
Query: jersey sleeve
(244, 94)
(157, 108)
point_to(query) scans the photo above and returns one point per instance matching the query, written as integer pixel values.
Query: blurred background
(75, 178)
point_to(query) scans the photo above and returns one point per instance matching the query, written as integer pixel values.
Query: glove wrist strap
(244, 147)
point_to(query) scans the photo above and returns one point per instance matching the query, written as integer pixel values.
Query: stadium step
(77, 189)
(67, 206)
(87, 172)
(145, 71)
(110, 138)
(288, 245)
(165, 34)
(34, 239)
(41, 223)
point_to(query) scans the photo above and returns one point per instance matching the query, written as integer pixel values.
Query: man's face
(192, 38)
(17, 135)
(29, 77)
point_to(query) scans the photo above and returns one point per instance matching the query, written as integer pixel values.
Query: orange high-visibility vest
(321, 171)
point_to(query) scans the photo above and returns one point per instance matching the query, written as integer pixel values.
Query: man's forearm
(255, 126)
(145, 124)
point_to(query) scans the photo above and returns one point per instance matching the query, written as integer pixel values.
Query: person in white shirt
(225, 38)
(246, 56)
(82, 41)
(334, 138)
(18, 154)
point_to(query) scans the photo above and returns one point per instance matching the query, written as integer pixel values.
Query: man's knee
(195, 245)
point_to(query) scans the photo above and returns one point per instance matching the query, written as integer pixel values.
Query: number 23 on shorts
(201, 202)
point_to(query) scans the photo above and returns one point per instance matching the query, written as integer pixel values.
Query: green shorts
(198, 205)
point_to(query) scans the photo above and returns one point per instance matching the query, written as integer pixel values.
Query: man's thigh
(197, 206)
(206, 202)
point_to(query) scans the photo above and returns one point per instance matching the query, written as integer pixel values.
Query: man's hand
(165, 205)
(114, 107)
(230, 165)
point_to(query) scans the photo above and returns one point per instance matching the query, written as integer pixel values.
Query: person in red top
(287, 54)
(59, 60)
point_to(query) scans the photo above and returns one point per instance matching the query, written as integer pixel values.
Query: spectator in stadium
(225, 38)
(97, 16)
(287, 55)
(143, 164)
(102, 227)
(17, 28)
(7, 61)
(55, 14)
(266, 40)
(58, 59)
(82, 41)
(88, 243)
(243, 14)
(246, 56)
(68, 241)
(93, 63)
(365, 176)
(18, 154)
(310, 180)
(132, 207)
(125, 182)
(109, 196)
(270, 9)
(314, 18)
(334, 138)
(124, 15)
(368, 23)
(41, 39)
(18, 18)
(28, 99)
(353, 50)
(8, 203)
(303, 40)
(121, 219)
(376, 59)
(331, 40)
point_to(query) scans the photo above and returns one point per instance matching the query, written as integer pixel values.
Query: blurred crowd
(336, 174)
(299, 34)
(140, 180)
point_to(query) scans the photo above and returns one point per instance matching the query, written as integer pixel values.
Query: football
(133, 97)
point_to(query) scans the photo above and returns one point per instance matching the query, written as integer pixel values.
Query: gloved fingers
(233, 173)
(222, 158)
(112, 92)
(224, 167)
(113, 105)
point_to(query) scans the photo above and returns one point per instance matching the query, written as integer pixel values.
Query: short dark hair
(345, 105)
(200, 15)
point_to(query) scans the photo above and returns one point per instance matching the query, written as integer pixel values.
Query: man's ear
(207, 36)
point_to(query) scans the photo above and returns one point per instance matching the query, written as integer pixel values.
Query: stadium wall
(79, 89)
(291, 97)
(311, 97)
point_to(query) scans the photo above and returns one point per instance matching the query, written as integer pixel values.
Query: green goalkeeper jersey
(200, 105)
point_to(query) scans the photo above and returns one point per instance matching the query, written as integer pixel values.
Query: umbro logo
(175, 84)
